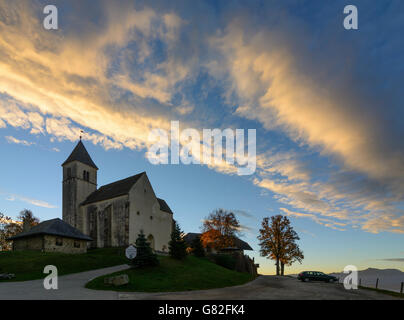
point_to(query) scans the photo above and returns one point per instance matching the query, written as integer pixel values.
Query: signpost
(130, 252)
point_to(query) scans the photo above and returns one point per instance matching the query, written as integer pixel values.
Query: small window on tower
(86, 175)
(69, 172)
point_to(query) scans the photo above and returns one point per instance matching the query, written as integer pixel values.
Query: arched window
(86, 175)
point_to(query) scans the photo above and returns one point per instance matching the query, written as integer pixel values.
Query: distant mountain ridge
(367, 272)
(389, 279)
(375, 272)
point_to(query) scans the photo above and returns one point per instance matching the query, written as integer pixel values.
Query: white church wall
(145, 214)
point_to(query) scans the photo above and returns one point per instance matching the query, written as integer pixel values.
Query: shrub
(197, 248)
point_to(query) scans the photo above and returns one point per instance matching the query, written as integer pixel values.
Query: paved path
(69, 287)
(264, 287)
(269, 288)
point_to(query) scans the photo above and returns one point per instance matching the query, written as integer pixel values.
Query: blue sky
(325, 102)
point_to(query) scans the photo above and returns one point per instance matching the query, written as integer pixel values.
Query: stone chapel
(113, 214)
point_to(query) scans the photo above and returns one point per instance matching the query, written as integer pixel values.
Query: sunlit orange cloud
(276, 93)
(264, 72)
(65, 77)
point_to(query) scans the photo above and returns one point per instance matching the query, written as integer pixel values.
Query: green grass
(173, 275)
(391, 293)
(29, 265)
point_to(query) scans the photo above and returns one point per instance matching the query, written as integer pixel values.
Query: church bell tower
(79, 181)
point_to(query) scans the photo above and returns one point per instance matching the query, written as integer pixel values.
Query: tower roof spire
(80, 154)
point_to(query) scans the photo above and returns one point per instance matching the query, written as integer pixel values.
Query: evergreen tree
(177, 246)
(145, 256)
(197, 248)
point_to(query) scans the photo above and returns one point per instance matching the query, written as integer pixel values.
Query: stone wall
(107, 222)
(47, 243)
(32, 243)
(68, 245)
(76, 190)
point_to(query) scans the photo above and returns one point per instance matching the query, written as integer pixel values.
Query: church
(114, 214)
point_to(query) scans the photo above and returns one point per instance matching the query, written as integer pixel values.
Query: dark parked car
(316, 276)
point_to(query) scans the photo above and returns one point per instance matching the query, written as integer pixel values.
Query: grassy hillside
(173, 275)
(29, 265)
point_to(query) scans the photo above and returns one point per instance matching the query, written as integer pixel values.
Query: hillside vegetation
(29, 265)
(192, 273)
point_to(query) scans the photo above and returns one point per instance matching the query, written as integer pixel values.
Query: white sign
(130, 252)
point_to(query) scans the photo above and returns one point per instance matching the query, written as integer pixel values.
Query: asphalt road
(264, 287)
(70, 287)
(269, 288)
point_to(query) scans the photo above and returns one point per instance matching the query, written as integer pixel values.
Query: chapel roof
(113, 190)
(80, 154)
(164, 206)
(56, 227)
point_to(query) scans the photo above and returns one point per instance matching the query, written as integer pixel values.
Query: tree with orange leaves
(220, 229)
(278, 242)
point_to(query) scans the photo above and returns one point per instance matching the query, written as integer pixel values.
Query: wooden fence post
(377, 282)
(402, 287)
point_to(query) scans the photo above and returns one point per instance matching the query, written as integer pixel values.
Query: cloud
(324, 107)
(7, 220)
(98, 89)
(325, 222)
(35, 202)
(393, 259)
(134, 68)
(11, 139)
(243, 213)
